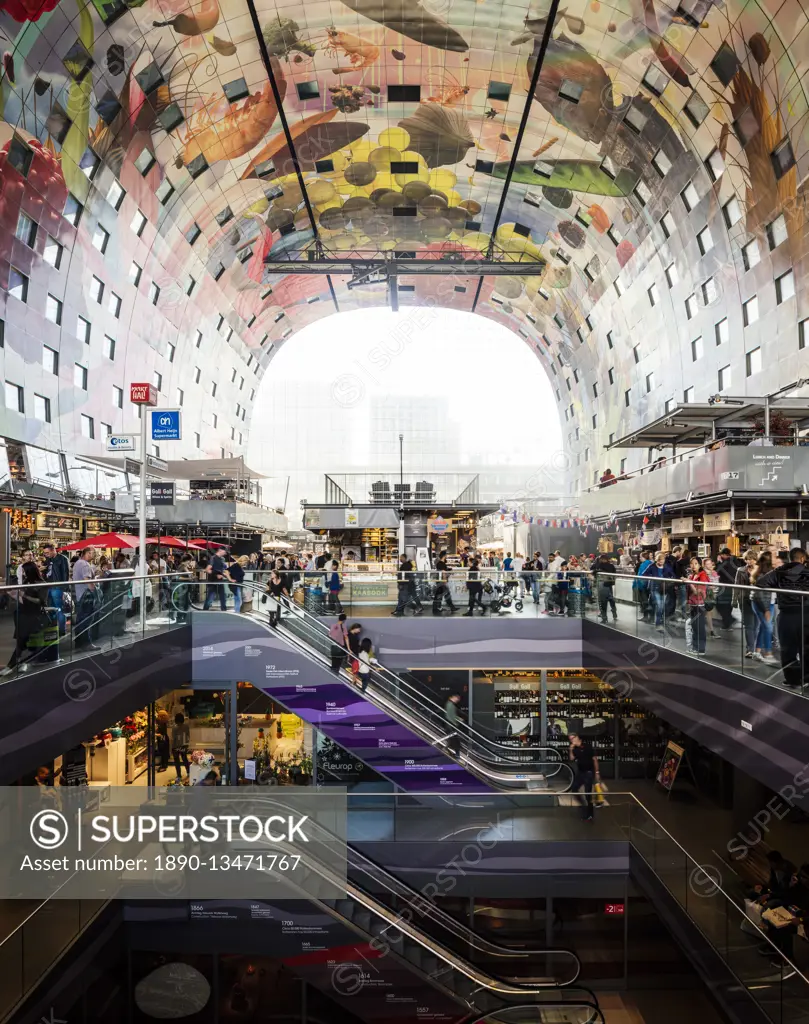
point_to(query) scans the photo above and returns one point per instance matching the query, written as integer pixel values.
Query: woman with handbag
(29, 617)
(696, 589)
(710, 597)
(763, 605)
(276, 592)
(744, 578)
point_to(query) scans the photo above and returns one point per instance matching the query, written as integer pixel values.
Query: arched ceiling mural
(168, 149)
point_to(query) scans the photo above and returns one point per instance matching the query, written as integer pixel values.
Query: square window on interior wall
(691, 307)
(138, 223)
(307, 90)
(715, 165)
(725, 64)
(84, 330)
(751, 255)
(803, 333)
(325, 166)
(101, 239)
(609, 167)
(115, 194)
(135, 272)
(723, 377)
(746, 126)
(753, 361)
(570, 90)
(42, 408)
(544, 170)
(265, 168)
(635, 119)
(149, 78)
(26, 230)
(218, 271)
(235, 90)
(53, 309)
(696, 350)
(654, 296)
(672, 275)
(164, 191)
(114, 304)
(18, 284)
(58, 123)
(15, 397)
(404, 93)
(704, 240)
(784, 287)
(689, 196)
(642, 192)
(732, 212)
(709, 292)
(499, 91)
(73, 210)
(89, 163)
(667, 225)
(78, 61)
(783, 158)
(688, 395)
(52, 253)
(223, 216)
(722, 331)
(661, 163)
(655, 79)
(20, 156)
(750, 311)
(170, 117)
(108, 107)
(777, 231)
(193, 233)
(696, 109)
(198, 166)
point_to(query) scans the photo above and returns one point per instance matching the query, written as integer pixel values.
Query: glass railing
(44, 624)
(29, 951)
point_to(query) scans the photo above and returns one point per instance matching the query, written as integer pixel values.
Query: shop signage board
(121, 443)
(352, 518)
(166, 424)
(439, 525)
(683, 527)
(312, 517)
(161, 493)
(132, 466)
(124, 503)
(153, 462)
(716, 522)
(772, 468)
(49, 522)
(143, 394)
(670, 765)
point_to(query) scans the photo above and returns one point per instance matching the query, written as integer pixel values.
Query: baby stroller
(502, 596)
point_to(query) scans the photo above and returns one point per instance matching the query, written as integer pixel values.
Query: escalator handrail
(423, 703)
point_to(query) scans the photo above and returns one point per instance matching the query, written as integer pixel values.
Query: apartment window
(96, 289)
(732, 211)
(213, 389)
(595, 391)
(197, 440)
(642, 192)
(180, 396)
(15, 397)
(172, 349)
(109, 347)
(73, 210)
(138, 223)
(689, 196)
(782, 158)
(53, 309)
(802, 332)
(115, 195)
(80, 376)
(117, 397)
(611, 374)
(669, 405)
(595, 421)
(190, 284)
(667, 224)
(636, 353)
(628, 397)
(704, 240)
(114, 305)
(753, 361)
(157, 380)
(87, 426)
(197, 374)
(253, 393)
(724, 377)
(722, 331)
(784, 287)
(696, 108)
(696, 349)
(154, 293)
(42, 408)
(135, 272)
(18, 284)
(715, 165)
(691, 306)
(688, 395)
(614, 235)
(193, 233)
(20, 156)
(672, 276)
(214, 421)
(26, 230)
(101, 239)
(198, 341)
(622, 467)
(106, 429)
(777, 231)
(164, 191)
(750, 311)
(751, 256)
(233, 376)
(709, 293)
(50, 360)
(619, 288)
(661, 163)
(650, 382)
(233, 433)
(241, 383)
(52, 253)
(654, 296)
(609, 339)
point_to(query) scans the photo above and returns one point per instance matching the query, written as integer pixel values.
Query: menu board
(670, 765)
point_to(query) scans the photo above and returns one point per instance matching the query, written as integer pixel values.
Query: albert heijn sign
(143, 394)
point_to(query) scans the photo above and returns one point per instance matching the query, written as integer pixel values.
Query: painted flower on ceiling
(27, 10)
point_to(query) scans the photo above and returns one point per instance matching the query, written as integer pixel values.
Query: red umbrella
(104, 540)
(174, 542)
(210, 544)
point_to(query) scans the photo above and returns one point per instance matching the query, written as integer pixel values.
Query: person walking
(744, 598)
(726, 567)
(180, 742)
(793, 614)
(406, 584)
(29, 616)
(695, 600)
(217, 573)
(57, 570)
(474, 585)
(365, 660)
(276, 592)
(236, 577)
(640, 588)
(453, 719)
(334, 588)
(763, 605)
(86, 600)
(604, 573)
(585, 766)
(656, 572)
(338, 634)
(536, 578)
(441, 588)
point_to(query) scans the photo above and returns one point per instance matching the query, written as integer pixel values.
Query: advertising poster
(670, 765)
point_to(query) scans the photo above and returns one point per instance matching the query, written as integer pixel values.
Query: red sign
(143, 394)
(613, 908)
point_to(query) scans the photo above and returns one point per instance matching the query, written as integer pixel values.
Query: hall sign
(682, 527)
(143, 394)
(716, 522)
(439, 525)
(161, 494)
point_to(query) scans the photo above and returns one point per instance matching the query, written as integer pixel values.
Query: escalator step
(412, 952)
(460, 983)
(429, 965)
(345, 907)
(362, 919)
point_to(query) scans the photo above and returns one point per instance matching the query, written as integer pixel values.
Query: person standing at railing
(640, 588)
(338, 634)
(656, 572)
(763, 605)
(85, 591)
(236, 577)
(696, 587)
(474, 584)
(217, 573)
(406, 584)
(744, 598)
(441, 588)
(276, 592)
(57, 570)
(709, 565)
(604, 576)
(364, 662)
(793, 614)
(334, 586)
(29, 617)
(726, 566)
(536, 577)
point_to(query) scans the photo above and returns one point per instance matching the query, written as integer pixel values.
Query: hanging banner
(352, 520)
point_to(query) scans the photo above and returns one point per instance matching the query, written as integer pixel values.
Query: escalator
(393, 726)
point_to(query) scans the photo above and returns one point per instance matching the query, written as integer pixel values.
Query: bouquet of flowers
(202, 758)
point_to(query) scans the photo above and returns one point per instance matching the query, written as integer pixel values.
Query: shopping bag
(247, 606)
(751, 922)
(599, 791)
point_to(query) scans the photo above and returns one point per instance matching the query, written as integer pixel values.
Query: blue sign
(165, 424)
